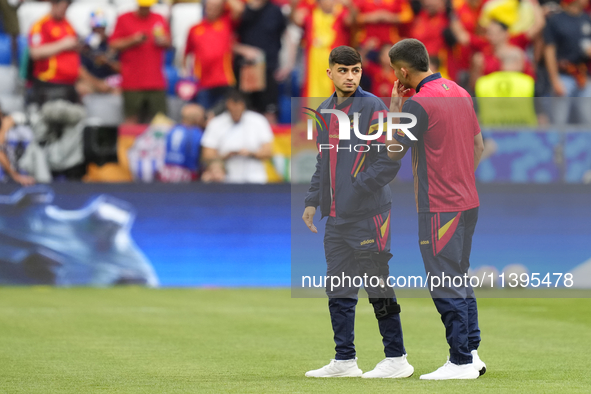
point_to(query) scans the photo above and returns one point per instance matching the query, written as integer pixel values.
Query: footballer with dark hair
(446, 150)
(351, 188)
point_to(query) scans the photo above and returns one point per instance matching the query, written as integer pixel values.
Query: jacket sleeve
(381, 169)
(313, 195)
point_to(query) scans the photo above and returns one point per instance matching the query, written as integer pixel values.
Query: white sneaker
(479, 365)
(337, 369)
(453, 371)
(391, 367)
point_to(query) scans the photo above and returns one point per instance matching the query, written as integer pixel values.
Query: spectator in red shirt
(464, 37)
(381, 19)
(210, 44)
(142, 37)
(301, 8)
(499, 54)
(525, 20)
(429, 25)
(53, 50)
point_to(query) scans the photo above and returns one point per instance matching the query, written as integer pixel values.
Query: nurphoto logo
(344, 123)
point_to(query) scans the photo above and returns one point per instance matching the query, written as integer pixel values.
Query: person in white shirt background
(236, 143)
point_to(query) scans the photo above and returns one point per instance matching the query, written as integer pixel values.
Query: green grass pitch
(135, 340)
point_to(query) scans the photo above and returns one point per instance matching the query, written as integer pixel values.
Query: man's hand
(68, 43)
(373, 17)
(24, 180)
(101, 59)
(558, 88)
(139, 37)
(241, 152)
(6, 123)
(398, 92)
(162, 40)
(229, 155)
(282, 74)
(122, 44)
(390, 17)
(253, 54)
(308, 217)
(372, 44)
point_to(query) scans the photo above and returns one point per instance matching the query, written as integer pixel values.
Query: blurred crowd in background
(221, 75)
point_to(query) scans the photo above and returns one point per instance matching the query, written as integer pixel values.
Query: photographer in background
(56, 151)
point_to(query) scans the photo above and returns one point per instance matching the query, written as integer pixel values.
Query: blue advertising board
(253, 236)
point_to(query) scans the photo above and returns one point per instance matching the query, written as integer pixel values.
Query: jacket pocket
(353, 203)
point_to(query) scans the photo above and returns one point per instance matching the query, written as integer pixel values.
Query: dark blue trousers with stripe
(340, 244)
(445, 241)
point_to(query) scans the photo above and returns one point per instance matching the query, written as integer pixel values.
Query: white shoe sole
(406, 373)
(355, 374)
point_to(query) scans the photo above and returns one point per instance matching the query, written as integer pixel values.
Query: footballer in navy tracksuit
(351, 189)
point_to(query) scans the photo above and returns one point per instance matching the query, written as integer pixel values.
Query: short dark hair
(344, 55)
(236, 96)
(412, 52)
